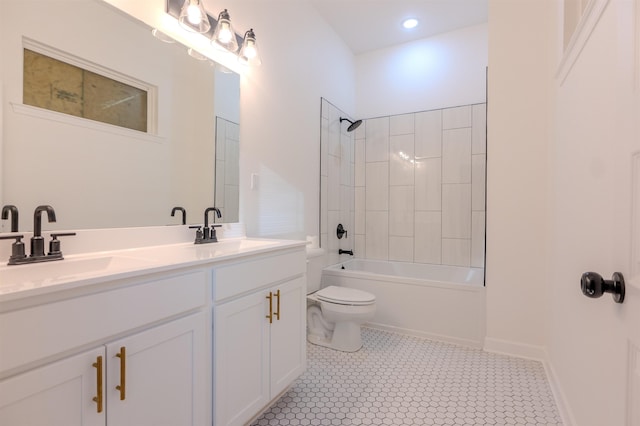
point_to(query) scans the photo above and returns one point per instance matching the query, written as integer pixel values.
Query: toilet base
(346, 337)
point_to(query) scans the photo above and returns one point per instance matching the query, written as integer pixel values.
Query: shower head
(354, 124)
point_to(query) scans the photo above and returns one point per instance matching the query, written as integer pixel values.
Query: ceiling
(367, 25)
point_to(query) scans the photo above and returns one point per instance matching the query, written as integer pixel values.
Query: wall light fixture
(193, 17)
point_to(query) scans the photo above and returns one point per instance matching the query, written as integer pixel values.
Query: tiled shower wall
(420, 187)
(407, 188)
(336, 183)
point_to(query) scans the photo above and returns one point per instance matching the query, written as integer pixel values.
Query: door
(61, 393)
(595, 215)
(158, 377)
(288, 332)
(241, 359)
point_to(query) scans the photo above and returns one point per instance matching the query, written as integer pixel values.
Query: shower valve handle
(341, 231)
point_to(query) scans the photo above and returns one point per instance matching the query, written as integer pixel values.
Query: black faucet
(37, 242)
(14, 216)
(18, 256)
(183, 211)
(208, 233)
(350, 252)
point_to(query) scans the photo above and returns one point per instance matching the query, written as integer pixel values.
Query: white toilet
(335, 314)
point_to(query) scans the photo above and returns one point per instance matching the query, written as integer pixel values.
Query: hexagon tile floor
(403, 380)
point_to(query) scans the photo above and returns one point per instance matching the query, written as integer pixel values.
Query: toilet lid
(344, 295)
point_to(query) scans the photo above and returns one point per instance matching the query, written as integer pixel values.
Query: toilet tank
(315, 264)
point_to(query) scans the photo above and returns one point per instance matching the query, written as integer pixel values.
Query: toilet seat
(345, 296)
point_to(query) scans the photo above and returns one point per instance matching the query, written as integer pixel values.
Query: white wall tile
(345, 160)
(219, 196)
(377, 145)
(324, 146)
(360, 210)
(401, 211)
(359, 163)
(455, 118)
(428, 184)
(361, 131)
(479, 137)
(377, 235)
(347, 202)
(456, 156)
(324, 108)
(377, 189)
(456, 211)
(324, 191)
(478, 181)
(360, 247)
(401, 249)
(401, 124)
(232, 162)
(428, 135)
(401, 160)
(428, 237)
(477, 239)
(333, 219)
(231, 201)
(221, 137)
(334, 132)
(456, 252)
(333, 183)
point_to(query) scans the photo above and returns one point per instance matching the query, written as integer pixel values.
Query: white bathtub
(438, 302)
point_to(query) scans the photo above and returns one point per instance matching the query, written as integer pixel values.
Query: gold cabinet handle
(270, 316)
(277, 314)
(98, 399)
(123, 372)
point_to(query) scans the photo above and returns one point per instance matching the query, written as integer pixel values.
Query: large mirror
(97, 175)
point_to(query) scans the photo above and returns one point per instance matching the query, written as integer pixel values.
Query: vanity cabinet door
(61, 393)
(164, 371)
(288, 333)
(241, 359)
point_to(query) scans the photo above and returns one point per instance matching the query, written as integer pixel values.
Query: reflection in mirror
(94, 174)
(227, 168)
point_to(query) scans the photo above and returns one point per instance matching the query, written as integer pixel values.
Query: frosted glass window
(58, 86)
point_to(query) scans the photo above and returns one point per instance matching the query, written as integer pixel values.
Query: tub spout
(350, 252)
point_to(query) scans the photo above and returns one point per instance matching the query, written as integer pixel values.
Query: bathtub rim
(334, 270)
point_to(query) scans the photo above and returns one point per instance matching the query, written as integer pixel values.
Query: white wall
(443, 71)
(303, 60)
(519, 102)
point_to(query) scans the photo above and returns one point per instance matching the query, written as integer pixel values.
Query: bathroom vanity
(152, 336)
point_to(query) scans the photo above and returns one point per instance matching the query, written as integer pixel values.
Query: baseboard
(536, 353)
(561, 401)
(430, 336)
(520, 350)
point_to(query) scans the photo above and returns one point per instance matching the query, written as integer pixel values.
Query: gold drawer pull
(270, 316)
(123, 372)
(98, 399)
(278, 305)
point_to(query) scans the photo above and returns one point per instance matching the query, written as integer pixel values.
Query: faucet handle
(17, 248)
(54, 244)
(199, 234)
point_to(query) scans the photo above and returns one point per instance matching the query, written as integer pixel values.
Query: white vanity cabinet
(135, 352)
(259, 333)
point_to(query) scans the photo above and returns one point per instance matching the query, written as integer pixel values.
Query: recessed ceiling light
(410, 23)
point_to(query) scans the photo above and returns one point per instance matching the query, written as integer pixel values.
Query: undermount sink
(228, 247)
(40, 274)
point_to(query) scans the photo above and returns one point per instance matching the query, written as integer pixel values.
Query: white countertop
(77, 270)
